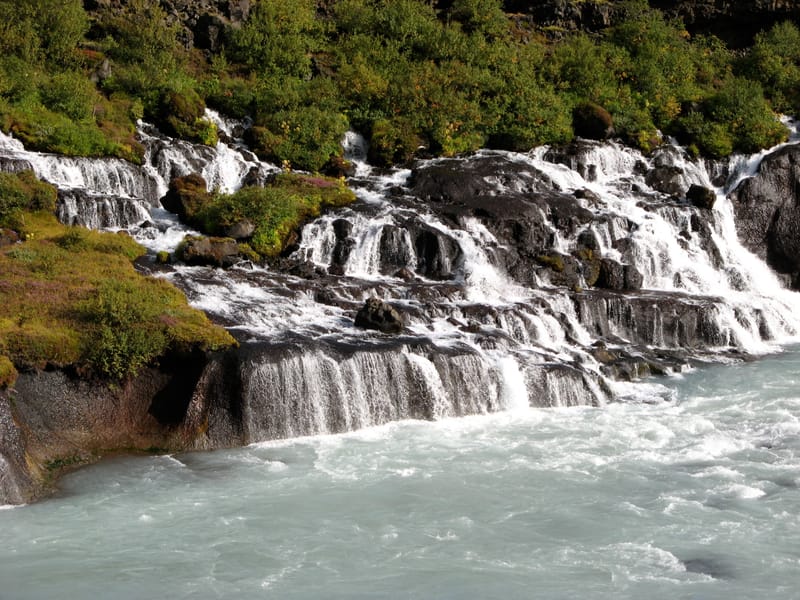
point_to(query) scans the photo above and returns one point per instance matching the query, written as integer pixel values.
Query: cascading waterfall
(477, 339)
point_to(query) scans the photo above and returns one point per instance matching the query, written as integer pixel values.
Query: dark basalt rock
(11, 164)
(344, 245)
(186, 195)
(701, 196)
(736, 23)
(767, 208)
(218, 252)
(616, 276)
(667, 179)
(376, 314)
(517, 203)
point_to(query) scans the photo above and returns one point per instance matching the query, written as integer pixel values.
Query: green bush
(128, 333)
(278, 38)
(277, 211)
(774, 61)
(8, 374)
(305, 137)
(71, 94)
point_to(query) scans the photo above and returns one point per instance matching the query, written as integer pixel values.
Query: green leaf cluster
(277, 210)
(416, 77)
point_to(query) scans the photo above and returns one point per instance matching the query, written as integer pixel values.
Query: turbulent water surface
(687, 490)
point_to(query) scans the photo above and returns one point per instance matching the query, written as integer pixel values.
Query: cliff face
(53, 421)
(768, 213)
(734, 22)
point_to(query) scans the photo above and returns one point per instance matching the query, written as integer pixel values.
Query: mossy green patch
(71, 296)
(8, 373)
(277, 210)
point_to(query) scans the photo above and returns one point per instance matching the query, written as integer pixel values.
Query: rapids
(482, 334)
(689, 489)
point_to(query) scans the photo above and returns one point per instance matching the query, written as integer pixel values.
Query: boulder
(8, 237)
(240, 230)
(592, 121)
(667, 179)
(377, 314)
(344, 245)
(767, 208)
(616, 276)
(186, 196)
(218, 252)
(701, 196)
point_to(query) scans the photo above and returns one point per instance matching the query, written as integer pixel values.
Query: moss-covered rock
(592, 121)
(187, 196)
(276, 211)
(182, 114)
(70, 297)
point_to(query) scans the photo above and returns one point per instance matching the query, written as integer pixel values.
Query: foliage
(278, 38)
(8, 374)
(70, 296)
(277, 211)
(21, 192)
(774, 61)
(412, 75)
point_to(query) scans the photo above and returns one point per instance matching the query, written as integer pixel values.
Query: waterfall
(493, 321)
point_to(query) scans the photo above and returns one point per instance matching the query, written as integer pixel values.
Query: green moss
(277, 211)
(8, 374)
(552, 261)
(63, 462)
(72, 297)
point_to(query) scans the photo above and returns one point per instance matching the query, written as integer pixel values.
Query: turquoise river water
(689, 489)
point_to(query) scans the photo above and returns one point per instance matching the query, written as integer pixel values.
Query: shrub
(71, 94)
(128, 334)
(305, 136)
(278, 38)
(277, 211)
(8, 374)
(774, 60)
(181, 114)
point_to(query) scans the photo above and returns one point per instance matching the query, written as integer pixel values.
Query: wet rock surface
(377, 314)
(767, 208)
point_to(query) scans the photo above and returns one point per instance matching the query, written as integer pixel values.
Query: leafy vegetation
(70, 296)
(276, 211)
(414, 78)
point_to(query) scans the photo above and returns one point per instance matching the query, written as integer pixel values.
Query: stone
(240, 230)
(218, 252)
(667, 179)
(592, 121)
(701, 196)
(767, 208)
(186, 196)
(8, 237)
(377, 314)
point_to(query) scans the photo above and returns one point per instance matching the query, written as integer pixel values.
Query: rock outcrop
(53, 421)
(377, 314)
(736, 23)
(767, 210)
(203, 21)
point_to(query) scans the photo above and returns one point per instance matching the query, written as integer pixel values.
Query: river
(689, 489)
